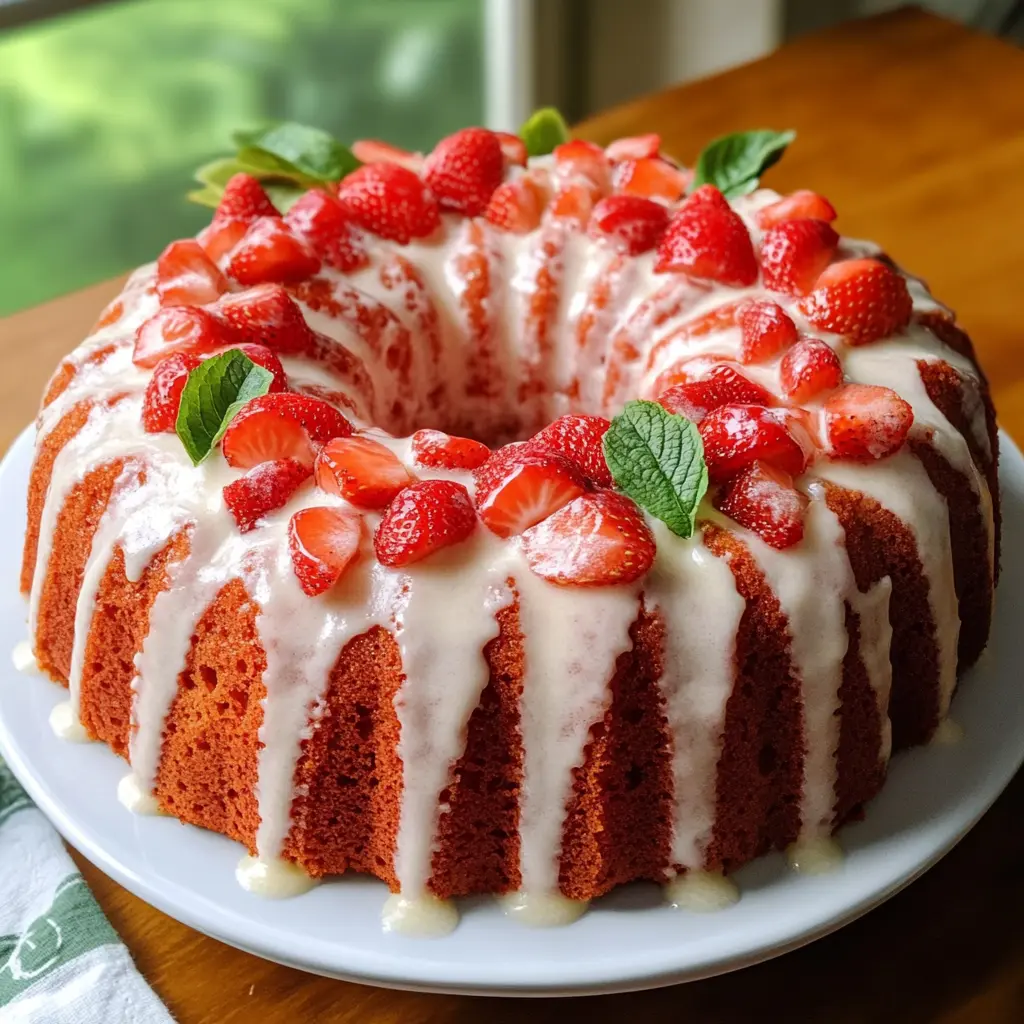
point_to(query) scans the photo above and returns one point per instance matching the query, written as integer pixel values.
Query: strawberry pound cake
(524, 518)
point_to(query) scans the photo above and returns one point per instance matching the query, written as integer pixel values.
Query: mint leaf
(658, 460)
(544, 129)
(734, 163)
(214, 392)
(310, 151)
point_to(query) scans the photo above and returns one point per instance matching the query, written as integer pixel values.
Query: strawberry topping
(633, 147)
(800, 205)
(262, 356)
(438, 450)
(390, 201)
(322, 543)
(329, 229)
(766, 331)
(360, 470)
(516, 206)
(262, 490)
(518, 486)
(863, 300)
(630, 224)
(373, 151)
(221, 236)
(578, 438)
(267, 315)
(163, 392)
(651, 178)
(721, 385)
(464, 170)
(735, 435)
(794, 253)
(271, 251)
(706, 238)
(864, 422)
(423, 518)
(573, 202)
(809, 368)
(595, 540)
(582, 161)
(178, 329)
(244, 199)
(764, 500)
(513, 149)
(186, 276)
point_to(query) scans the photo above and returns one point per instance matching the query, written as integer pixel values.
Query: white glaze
(23, 658)
(134, 798)
(543, 909)
(819, 856)
(421, 917)
(272, 877)
(65, 724)
(702, 892)
(949, 733)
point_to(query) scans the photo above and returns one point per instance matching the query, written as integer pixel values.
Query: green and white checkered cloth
(60, 960)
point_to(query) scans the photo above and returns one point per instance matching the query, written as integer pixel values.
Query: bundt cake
(514, 523)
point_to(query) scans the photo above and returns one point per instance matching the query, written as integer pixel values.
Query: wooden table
(914, 128)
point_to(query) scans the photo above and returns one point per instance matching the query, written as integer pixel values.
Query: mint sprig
(657, 458)
(734, 163)
(286, 157)
(543, 130)
(214, 392)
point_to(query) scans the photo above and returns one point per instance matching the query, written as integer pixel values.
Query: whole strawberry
(464, 170)
(390, 201)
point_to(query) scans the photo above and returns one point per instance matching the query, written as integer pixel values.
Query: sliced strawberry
(424, 518)
(689, 370)
(439, 450)
(360, 470)
(766, 331)
(267, 315)
(580, 439)
(244, 199)
(578, 160)
(596, 540)
(721, 385)
(390, 201)
(735, 435)
(186, 276)
(794, 253)
(863, 300)
(519, 486)
(864, 422)
(281, 425)
(800, 205)
(651, 178)
(809, 368)
(262, 490)
(513, 149)
(220, 237)
(706, 238)
(464, 169)
(573, 202)
(178, 329)
(373, 151)
(329, 229)
(516, 205)
(272, 252)
(633, 147)
(322, 543)
(262, 356)
(631, 224)
(163, 392)
(764, 500)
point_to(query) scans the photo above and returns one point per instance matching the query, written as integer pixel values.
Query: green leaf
(543, 130)
(217, 173)
(310, 151)
(734, 163)
(658, 460)
(282, 194)
(214, 392)
(208, 195)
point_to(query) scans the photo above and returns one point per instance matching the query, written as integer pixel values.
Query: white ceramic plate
(629, 940)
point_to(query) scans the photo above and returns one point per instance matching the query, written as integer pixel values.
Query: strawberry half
(631, 224)
(373, 151)
(651, 178)
(438, 450)
(864, 300)
(865, 422)
(391, 201)
(764, 500)
(281, 425)
(706, 238)
(735, 435)
(360, 470)
(322, 543)
(464, 169)
(186, 276)
(721, 385)
(580, 439)
(809, 368)
(582, 161)
(518, 486)
(766, 330)
(633, 147)
(573, 202)
(267, 315)
(800, 205)
(163, 392)
(178, 329)
(596, 540)
(271, 252)
(423, 518)
(220, 237)
(262, 490)
(513, 149)
(516, 205)
(329, 229)
(244, 199)
(794, 253)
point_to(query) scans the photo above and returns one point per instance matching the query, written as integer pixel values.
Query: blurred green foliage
(105, 114)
